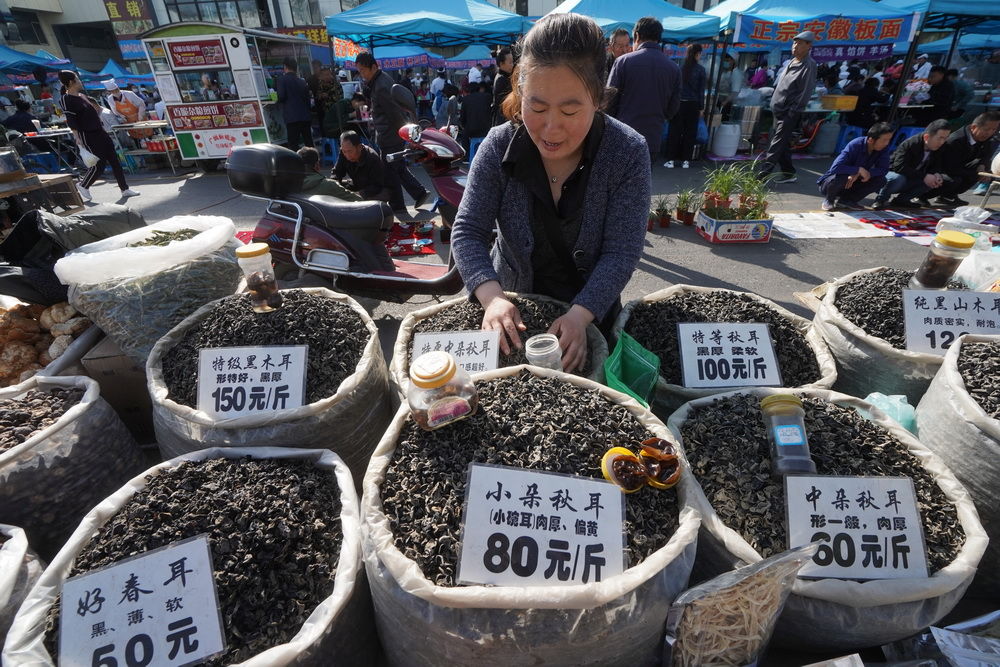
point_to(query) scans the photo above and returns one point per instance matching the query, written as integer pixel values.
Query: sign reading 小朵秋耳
(531, 528)
(868, 527)
(156, 609)
(727, 354)
(237, 381)
(475, 351)
(934, 319)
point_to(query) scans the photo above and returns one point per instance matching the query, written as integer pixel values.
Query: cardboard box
(733, 231)
(123, 386)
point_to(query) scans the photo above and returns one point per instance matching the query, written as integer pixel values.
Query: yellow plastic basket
(839, 102)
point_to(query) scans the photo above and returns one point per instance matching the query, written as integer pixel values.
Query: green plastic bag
(632, 369)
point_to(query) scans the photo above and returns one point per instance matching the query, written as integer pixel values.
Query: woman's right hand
(501, 315)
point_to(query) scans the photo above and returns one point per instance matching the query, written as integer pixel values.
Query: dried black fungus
(654, 326)
(335, 333)
(523, 421)
(979, 364)
(275, 536)
(21, 418)
(729, 452)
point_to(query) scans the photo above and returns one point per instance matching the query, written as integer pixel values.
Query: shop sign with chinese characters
(529, 528)
(156, 609)
(869, 527)
(934, 319)
(238, 381)
(475, 351)
(830, 29)
(727, 354)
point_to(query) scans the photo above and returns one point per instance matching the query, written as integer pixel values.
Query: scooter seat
(364, 219)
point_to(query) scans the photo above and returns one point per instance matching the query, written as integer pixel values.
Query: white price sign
(935, 319)
(156, 609)
(529, 528)
(727, 354)
(869, 527)
(475, 351)
(237, 381)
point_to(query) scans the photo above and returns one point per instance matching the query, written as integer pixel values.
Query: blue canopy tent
(450, 23)
(472, 55)
(971, 42)
(679, 25)
(113, 70)
(52, 58)
(25, 63)
(401, 57)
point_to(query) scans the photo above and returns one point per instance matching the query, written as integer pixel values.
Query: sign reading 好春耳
(530, 528)
(475, 351)
(156, 609)
(869, 527)
(237, 381)
(934, 319)
(727, 354)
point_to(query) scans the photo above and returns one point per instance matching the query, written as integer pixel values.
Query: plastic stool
(329, 150)
(848, 133)
(40, 163)
(902, 134)
(473, 147)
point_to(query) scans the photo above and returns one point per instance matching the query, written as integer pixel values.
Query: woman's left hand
(571, 329)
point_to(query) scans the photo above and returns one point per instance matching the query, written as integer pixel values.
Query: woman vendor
(567, 187)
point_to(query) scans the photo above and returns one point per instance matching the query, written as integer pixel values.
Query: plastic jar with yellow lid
(441, 391)
(785, 422)
(946, 252)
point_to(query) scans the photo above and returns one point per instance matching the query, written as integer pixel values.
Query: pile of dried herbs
(160, 237)
(979, 364)
(523, 421)
(22, 417)
(335, 333)
(275, 536)
(728, 448)
(654, 326)
(537, 316)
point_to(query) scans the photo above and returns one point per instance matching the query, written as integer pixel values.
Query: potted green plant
(753, 196)
(687, 202)
(661, 205)
(720, 184)
(653, 217)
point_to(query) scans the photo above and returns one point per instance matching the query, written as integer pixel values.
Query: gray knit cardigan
(615, 210)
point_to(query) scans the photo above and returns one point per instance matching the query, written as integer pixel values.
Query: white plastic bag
(137, 294)
(19, 569)
(956, 428)
(669, 397)
(963, 647)
(866, 364)
(399, 367)
(842, 615)
(350, 422)
(616, 621)
(89, 159)
(49, 481)
(339, 627)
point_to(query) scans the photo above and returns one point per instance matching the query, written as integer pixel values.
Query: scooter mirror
(415, 132)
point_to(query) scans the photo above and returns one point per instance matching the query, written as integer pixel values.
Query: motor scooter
(345, 241)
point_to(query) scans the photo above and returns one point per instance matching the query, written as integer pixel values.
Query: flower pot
(686, 217)
(715, 200)
(664, 219)
(650, 222)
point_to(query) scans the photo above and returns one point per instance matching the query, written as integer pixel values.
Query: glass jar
(440, 392)
(946, 252)
(543, 350)
(785, 422)
(255, 260)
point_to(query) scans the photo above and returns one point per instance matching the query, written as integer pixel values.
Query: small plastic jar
(543, 350)
(946, 252)
(785, 422)
(440, 392)
(255, 260)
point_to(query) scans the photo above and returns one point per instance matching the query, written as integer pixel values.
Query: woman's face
(557, 110)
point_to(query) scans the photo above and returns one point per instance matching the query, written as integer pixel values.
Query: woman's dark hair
(66, 77)
(568, 40)
(501, 54)
(690, 58)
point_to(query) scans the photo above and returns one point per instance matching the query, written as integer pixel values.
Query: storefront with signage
(218, 83)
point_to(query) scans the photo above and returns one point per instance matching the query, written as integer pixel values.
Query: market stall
(217, 82)
(679, 25)
(474, 54)
(401, 57)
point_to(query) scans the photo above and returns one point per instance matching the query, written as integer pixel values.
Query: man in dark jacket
(647, 85)
(858, 171)
(475, 114)
(501, 83)
(388, 117)
(915, 167)
(791, 95)
(363, 166)
(942, 96)
(966, 152)
(293, 96)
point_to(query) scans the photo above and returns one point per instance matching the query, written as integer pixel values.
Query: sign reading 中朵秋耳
(869, 527)
(237, 381)
(475, 351)
(530, 528)
(727, 354)
(934, 319)
(156, 609)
